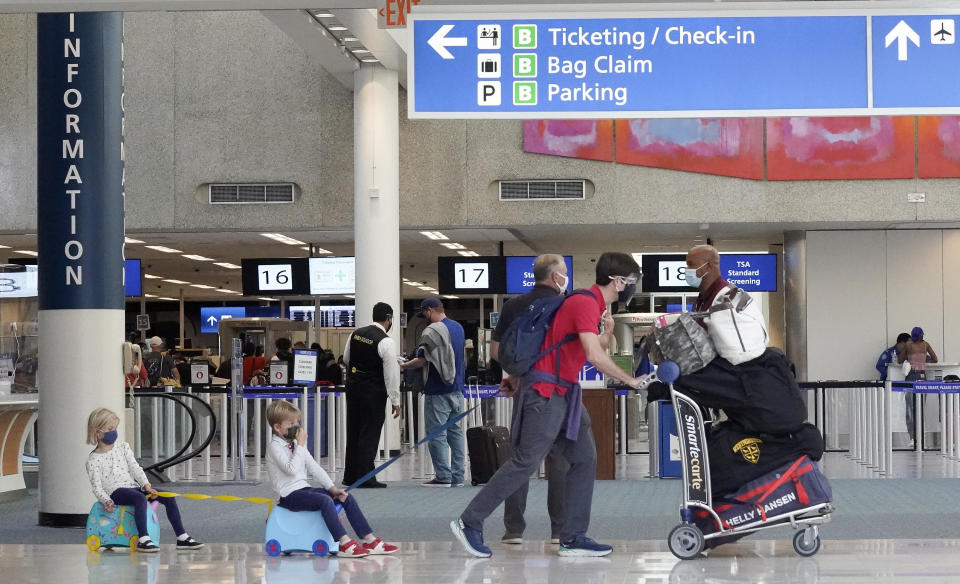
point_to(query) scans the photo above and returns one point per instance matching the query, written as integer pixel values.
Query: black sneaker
(147, 547)
(188, 545)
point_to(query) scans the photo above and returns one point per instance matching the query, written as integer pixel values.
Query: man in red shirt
(549, 413)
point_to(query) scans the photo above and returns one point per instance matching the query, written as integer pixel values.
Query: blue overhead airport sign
(210, 316)
(753, 272)
(601, 64)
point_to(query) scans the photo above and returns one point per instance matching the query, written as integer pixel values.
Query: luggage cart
(686, 540)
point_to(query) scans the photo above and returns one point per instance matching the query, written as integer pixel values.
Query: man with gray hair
(550, 279)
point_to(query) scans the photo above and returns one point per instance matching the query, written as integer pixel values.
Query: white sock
(144, 538)
(370, 538)
(183, 537)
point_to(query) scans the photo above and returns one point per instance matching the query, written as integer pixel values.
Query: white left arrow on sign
(440, 41)
(901, 33)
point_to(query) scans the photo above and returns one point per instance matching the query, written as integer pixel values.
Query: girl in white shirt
(117, 479)
(288, 461)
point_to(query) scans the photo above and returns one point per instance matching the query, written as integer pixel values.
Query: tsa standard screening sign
(593, 64)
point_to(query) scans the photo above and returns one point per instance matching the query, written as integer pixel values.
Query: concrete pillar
(376, 198)
(80, 242)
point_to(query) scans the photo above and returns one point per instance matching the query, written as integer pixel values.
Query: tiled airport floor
(867, 561)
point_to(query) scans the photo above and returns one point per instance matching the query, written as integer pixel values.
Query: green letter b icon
(524, 36)
(524, 93)
(524, 65)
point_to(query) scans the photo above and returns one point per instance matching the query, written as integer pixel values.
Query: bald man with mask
(703, 273)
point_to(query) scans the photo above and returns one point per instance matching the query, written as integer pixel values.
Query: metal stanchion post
(331, 431)
(224, 434)
(170, 424)
(622, 413)
(888, 428)
(942, 402)
(421, 427)
(138, 429)
(257, 424)
(342, 425)
(409, 418)
(918, 421)
(955, 420)
(205, 396)
(188, 464)
(317, 414)
(155, 429)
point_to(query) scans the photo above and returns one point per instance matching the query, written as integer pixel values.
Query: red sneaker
(352, 549)
(378, 547)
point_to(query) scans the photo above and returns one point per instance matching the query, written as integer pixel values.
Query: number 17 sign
(472, 275)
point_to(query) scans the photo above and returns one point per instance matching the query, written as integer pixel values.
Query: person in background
(891, 354)
(441, 354)
(550, 412)
(918, 353)
(373, 376)
(159, 365)
(550, 280)
(252, 365)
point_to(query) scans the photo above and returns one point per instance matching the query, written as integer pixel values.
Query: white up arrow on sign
(212, 320)
(901, 33)
(439, 41)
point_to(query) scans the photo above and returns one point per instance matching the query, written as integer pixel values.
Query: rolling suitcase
(488, 448)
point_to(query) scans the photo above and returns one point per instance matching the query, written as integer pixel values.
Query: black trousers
(366, 412)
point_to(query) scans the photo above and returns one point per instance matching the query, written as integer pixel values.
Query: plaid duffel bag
(679, 338)
(790, 488)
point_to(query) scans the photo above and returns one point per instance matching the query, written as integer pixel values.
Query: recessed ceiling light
(202, 286)
(163, 249)
(426, 288)
(337, 27)
(451, 297)
(167, 298)
(131, 240)
(321, 14)
(227, 265)
(468, 253)
(316, 249)
(281, 238)
(414, 284)
(231, 292)
(198, 258)
(26, 252)
(268, 299)
(451, 245)
(434, 235)
(4, 247)
(149, 295)
(350, 296)
(370, 60)
(152, 277)
(175, 281)
(359, 51)
(350, 39)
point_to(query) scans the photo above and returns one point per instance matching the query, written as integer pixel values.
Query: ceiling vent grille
(250, 193)
(542, 190)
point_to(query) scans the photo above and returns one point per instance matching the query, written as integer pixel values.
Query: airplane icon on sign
(942, 31)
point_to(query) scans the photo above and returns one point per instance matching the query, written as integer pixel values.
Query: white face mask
(563, 286)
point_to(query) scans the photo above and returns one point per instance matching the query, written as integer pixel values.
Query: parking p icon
(488, 93)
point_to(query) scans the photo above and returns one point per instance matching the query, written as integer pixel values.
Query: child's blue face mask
(109, 437)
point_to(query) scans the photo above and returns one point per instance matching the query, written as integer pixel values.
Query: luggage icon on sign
(488, 65)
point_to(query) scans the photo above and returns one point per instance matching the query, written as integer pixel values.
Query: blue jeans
(437, 411)
(316, 499)
(136, 499)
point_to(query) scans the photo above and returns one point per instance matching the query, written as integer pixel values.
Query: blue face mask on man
(109, 437)
(693, 280)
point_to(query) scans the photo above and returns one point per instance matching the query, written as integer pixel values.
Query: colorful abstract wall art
(840, 148)
(729, 147)
(939, 146)
(588, 139)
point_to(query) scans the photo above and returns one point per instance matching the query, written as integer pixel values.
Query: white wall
(865, 287)
(846, 303)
